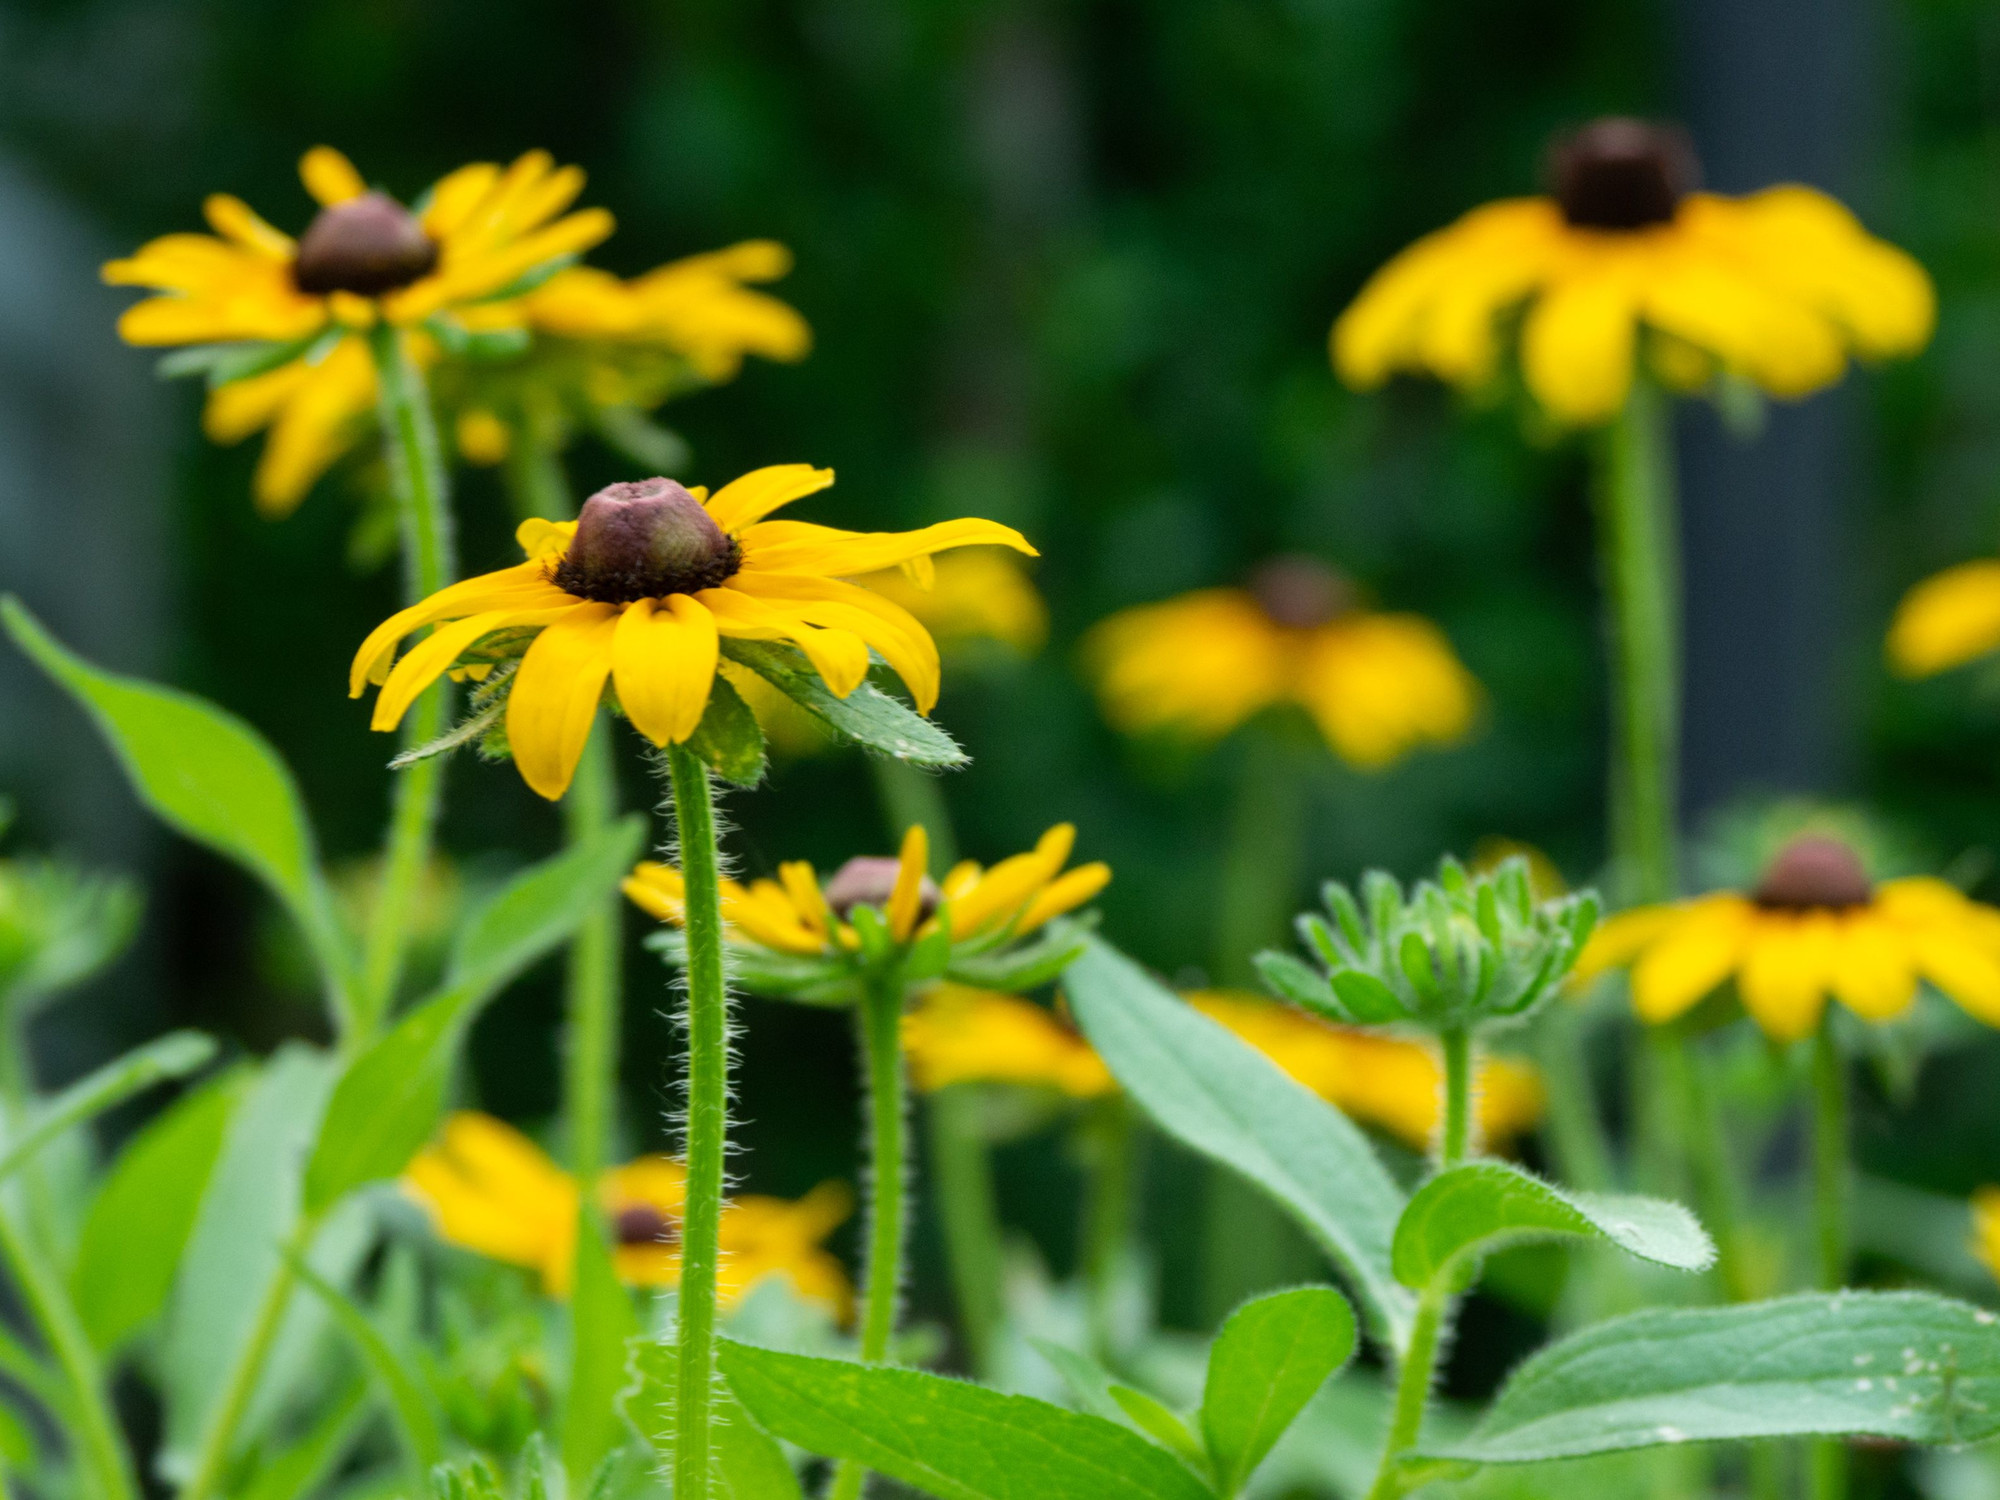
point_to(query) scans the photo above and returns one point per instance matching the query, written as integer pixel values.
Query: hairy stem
(1455, 1134)
(1413, 1390)
(595, 979)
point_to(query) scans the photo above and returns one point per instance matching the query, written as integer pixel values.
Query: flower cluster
(1462, 950)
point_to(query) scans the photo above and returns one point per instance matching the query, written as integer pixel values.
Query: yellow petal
(1198, 665)
(429, 659)
(555, 695)
(1577, 347)
(833, 604)
(1788, 967)
(1064, 894)
(329, 176)
(1947, 620)
(1693, 958)
(1618, 940)
(801, 547)
(802, 886)
(658, 890)
(839, 656)
(907, 896)
(518, 587)
(745, 501)
(663, 659)
(235, 220)
(1873, 974)
(1965, 970)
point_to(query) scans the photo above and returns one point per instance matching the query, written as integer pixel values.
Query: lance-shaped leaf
(1466, 1213)
(867, 715)
(1270, 1359)
(1909, 1366)
(728, 739)
(1221, 1097)
(948, 1438)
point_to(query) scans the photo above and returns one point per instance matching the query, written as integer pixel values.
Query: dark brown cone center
(644, 539)
(869, 880)
(1814, 871)
(1301, 592)
(1620, 173)
(643, 1224)
(367, 245)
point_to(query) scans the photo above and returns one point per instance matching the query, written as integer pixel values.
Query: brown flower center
(1301, 592)
(1620, 173)
(1812, 872)
(367, 245)
(869, 880)
(643, 1224)
(644, 539)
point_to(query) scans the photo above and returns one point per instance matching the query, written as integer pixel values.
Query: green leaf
(388, 1099)
(602, 1320)
(947, 1438)
(174, 1055)
(1469, 1211)
(749, 1464)
(1218, 1095)
(866, 716)
(1910, 1366)
(416, 1424)
(141, 1217)
(728, 739)
(1157, 1421)
(1088, 1381)
(206, 774)
(303, 1466)
(1270, 1359)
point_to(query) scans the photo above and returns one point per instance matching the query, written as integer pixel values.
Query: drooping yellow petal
(1381, 685)
(520, 587)
(555, 695)
(1577, 348)
(1687, 962)
(745, 501)
(1198, 665)
(839, 656)
(658, 890)
(1965, 970)
(235, 220)
(1873, 975)
(907, 896)
(1947, 620)
(663, 659)
(324, 417)
(1788, 968)
(431, 657)
(834, 604)
(329, 176)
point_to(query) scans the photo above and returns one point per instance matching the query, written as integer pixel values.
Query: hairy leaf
(1270, 1359)
(867, 715)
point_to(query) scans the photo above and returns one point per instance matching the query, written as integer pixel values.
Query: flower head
(1624, 263)
(283, 315)
(1949, 619)
(1377, 685)
(1815, 925)
(812, 939)
(641, 590)
(491, 1190)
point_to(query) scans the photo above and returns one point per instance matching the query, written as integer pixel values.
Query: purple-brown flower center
(367, 245)
(643, 1224)
(644, 539)
(1621, 173)
(869, 880)
(1301, 592)
(1814, 872)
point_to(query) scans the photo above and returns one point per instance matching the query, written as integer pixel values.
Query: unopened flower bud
(367, 245)
(1621, 173)
(644, 539)
(1301, 593)
(1814, 872)
(869, 880)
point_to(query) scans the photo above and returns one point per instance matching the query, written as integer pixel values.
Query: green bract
(1457, 951)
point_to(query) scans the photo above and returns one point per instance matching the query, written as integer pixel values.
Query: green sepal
(809, 979)
(1029, 965)
(867, 716)
(728, 739)
(491, 345)
(1293, 979)
(223, 364)
(929, 956)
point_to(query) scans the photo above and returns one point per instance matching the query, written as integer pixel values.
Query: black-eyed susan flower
(1949, 619)
(639, 592)
(1623, 266)
(284, 316)
(1377, 685)
(811, 939)
(489, 1189)
(1815, 925)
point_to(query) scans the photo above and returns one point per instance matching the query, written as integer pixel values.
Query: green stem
(534, 469)
(1259, 887)
(1413, 1390)
(423, 509)
(219, 1437)
(1455, 1138)
(594, 979)
(1827, 1458)
(92, 1426)
(1638, 539)
(707, 1120)
(880, 1014)
(1681, 1078)
(1111, 1188)
(908, 796)
(961, 1173)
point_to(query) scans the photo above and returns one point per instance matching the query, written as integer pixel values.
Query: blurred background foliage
(1070, 264)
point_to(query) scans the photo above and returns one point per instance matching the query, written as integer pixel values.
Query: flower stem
(1679, 1077)
(881, 1014)
(1827, 1457)
(969, 1216)
(1413, 1389)
(707, 1120)
(1111, 1187)
(594, 979)
(1638, 538)
(1455, 1136)
(423, 508)
(92, 1426)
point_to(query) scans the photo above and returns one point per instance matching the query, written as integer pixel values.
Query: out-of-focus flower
(957, 1034)
(876, 911)
(1377, 685)
(491, 1190)
(1986, 1228)
(1949, 619)
(640, 590)
(1624, 264)
(277, 321)
(1815, 925)
(980, 594)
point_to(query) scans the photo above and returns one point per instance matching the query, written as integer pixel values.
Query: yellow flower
(1986, 1228)
(363, 259)
(1378, 686)
(639, 590)
(1947, 620)
(1815, 926)
(962, 1035)
(797, 914)
(491, 1190)
(978, 594)
(1777, 288)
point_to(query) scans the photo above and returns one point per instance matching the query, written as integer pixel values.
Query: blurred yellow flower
(1814, 926)
(1378, 686)
(362, 260)
(962, 1035)
(1986, 1228)
(639, 590)
(981, 593)
(491, 1190)
(1949, 619)
(797, 914)
(1777, 288)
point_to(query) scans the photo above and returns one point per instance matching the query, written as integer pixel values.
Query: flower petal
(1947, 620)
(555, 695)
(839, 656)
(801, 547)
(663, 660)
(834, 604)
(744, 501)
(906, 898)
(1577, 346)
(1698, 954)
(329, 176)
(1788, 967)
